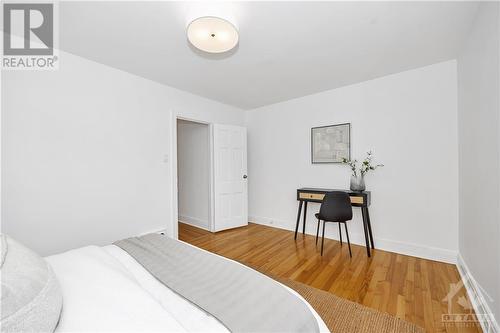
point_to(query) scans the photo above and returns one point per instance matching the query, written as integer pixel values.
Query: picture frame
(330, 144)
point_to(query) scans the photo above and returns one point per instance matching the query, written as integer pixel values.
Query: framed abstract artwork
(330, 144)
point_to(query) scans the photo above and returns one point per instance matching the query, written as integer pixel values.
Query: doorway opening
(194, 174)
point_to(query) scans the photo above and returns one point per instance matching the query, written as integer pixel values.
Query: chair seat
(320, 218)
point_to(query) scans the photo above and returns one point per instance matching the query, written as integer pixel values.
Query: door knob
(245, 176)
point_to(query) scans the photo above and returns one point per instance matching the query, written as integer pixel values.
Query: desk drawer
(312, 196)
(357, 200)
(319, 196)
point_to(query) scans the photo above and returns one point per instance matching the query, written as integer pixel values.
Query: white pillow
(31, 296)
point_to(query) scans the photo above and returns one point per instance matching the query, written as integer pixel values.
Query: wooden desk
(358, 199)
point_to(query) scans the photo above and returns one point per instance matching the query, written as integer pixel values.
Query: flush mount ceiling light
(212, 34)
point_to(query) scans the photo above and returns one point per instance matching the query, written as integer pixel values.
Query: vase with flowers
(358, 173)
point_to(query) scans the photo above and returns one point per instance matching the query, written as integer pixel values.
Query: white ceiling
(286, 50)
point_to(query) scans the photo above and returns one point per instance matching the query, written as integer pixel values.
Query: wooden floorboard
(407, 287)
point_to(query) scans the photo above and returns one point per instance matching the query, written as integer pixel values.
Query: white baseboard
(477, 296)
(415, 250)
(195, 222)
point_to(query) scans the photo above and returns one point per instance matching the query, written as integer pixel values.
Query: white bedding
(106, 290)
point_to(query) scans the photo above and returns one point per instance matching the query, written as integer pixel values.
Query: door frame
(174, 175)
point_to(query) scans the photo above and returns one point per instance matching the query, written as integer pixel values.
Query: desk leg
(365, 228)
(304, 223)
(298, 218)
(369, 227)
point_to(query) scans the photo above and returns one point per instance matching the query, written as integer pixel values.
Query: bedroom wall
(408, 119)
(85, 153)
(193, 170)
(479, 154)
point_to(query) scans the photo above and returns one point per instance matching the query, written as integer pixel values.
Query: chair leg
(340, 233)
(317, 231)
(348, 242)
(323, 237)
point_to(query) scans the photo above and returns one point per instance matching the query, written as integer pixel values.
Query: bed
(104, 289)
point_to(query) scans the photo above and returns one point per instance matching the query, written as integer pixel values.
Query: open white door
(230, 177)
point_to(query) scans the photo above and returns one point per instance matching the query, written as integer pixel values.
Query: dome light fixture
(212, 34)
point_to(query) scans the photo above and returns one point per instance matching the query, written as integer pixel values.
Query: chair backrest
(336, 207)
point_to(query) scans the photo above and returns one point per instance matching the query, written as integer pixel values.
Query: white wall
(193, 170)
(409, 120)
(479, 147)
(83, 153)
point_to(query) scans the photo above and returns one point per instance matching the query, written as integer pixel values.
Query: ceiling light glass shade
(212, 34)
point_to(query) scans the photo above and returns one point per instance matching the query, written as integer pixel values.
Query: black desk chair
(336, 207)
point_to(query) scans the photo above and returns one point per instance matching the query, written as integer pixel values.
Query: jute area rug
(343, 316)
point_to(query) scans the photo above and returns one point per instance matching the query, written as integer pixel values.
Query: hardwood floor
(407, 287)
